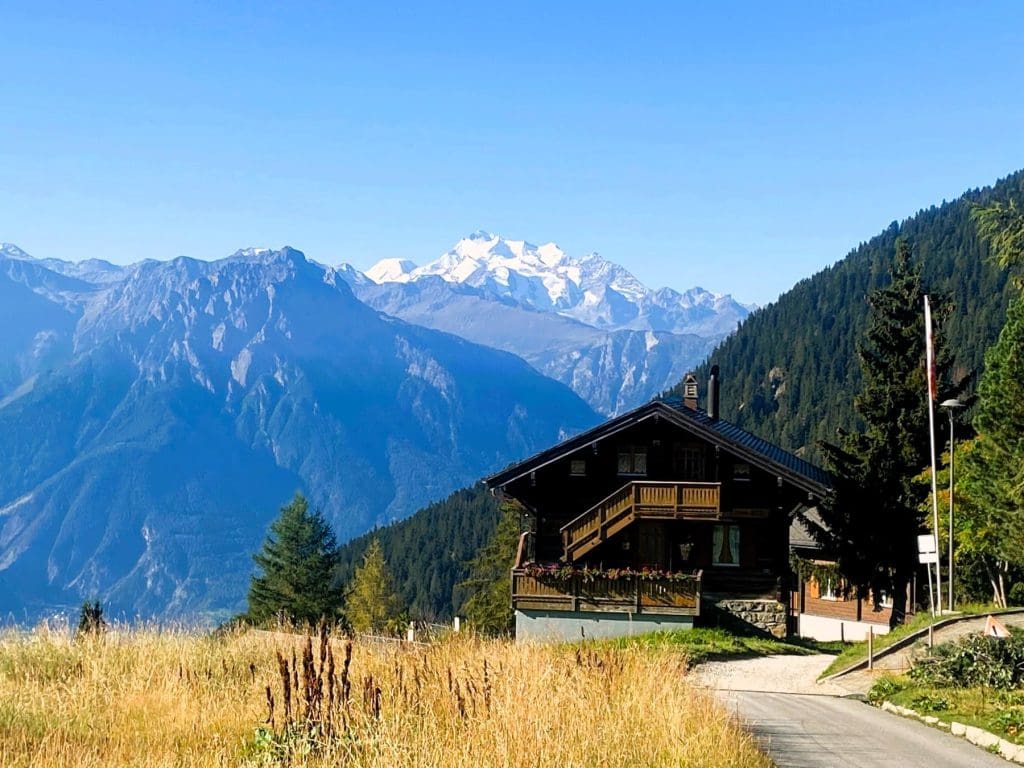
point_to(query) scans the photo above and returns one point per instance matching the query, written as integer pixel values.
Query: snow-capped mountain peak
(391, 271)
(587, 288)
(11, 251)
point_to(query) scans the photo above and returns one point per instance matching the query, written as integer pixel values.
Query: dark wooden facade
(684, 506)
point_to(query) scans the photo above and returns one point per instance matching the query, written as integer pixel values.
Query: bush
(1017, 593)
(885, 688)
(974, 660)
(927, 702)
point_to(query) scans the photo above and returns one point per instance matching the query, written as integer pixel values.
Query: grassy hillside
(790, 372)
(190, 701)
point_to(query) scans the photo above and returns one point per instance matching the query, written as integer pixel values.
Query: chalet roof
(730, 437)
(800, 534)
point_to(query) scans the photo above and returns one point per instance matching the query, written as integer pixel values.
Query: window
(829, 588)
(578, 467)
(741, 472)
(726, 545)
(632, 460)
(689, 462)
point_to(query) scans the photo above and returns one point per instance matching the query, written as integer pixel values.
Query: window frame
(633, 452)
(727, 530)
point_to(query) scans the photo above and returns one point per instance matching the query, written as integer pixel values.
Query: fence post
(456, 625)
(410, 634)
(871, 647)
(931, 635)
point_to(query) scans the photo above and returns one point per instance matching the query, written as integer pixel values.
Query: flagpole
(932, 387)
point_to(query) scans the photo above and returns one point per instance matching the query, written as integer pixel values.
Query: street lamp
(950, 406)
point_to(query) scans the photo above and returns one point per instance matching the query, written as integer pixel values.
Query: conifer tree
(871, 523)
(993, 473)
(298, 560)
(372, 604)
(488, 606)
(1001, 224)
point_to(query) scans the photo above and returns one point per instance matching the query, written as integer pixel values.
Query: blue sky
(736, 146)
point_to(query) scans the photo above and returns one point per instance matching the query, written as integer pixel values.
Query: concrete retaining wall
(826, 628)
(575, 625)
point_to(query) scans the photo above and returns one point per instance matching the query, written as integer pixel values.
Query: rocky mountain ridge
(155, 417)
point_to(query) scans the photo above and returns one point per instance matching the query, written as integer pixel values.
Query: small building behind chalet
(821, 604)
(662, 518)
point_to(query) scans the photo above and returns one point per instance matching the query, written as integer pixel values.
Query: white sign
(926, 543)
(927, 557)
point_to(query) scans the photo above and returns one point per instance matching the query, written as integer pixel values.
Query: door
(653, 545)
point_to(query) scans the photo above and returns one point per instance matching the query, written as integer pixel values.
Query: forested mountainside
(790, 373)
(428, 553)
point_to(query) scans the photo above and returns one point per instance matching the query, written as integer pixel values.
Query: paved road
(805, 724)
(820, 731)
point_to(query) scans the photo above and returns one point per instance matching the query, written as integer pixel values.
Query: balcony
(675, 594)
(639, 500)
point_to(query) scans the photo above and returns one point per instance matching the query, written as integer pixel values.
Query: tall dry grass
(148, 698)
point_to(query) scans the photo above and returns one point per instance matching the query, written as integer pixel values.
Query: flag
(929, 343)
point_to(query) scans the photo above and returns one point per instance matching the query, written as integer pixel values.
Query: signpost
(928, 553)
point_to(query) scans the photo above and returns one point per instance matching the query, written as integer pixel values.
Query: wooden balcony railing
(677, 595)
(643, 500)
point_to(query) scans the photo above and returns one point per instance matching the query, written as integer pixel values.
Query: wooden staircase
(638, 500)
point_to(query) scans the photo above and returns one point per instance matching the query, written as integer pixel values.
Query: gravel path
(779, 674)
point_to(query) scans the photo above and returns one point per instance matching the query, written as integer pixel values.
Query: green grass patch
(854, 653)
(999, 712)
(703, 644)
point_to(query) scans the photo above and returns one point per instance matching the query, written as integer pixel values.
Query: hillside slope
(791, 371)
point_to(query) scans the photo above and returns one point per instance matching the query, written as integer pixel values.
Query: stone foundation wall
(760, 615)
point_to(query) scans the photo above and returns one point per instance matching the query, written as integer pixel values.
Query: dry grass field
(149, 698)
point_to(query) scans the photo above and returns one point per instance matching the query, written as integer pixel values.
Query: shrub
(974, 660)
(1010, 722)
(885, 688)
(927, 702)
(1017, 593)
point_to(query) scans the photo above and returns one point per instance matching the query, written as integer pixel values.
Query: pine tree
(1001, 224)
(298, 561)
(90, 620)
(871, 523)
(372, 604)
(488, 605)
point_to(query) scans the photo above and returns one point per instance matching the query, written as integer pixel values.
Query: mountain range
(155, 416)
(790, 373)
(583, 321)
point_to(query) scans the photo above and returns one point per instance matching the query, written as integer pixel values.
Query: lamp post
(950, 406)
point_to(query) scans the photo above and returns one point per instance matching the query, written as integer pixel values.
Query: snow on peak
(588, 288)
(11, 251)
(391, 271)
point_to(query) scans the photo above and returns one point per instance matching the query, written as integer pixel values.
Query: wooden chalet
(662, 517)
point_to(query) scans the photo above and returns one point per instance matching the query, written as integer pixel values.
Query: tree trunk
(1003, 567)
(900, 581)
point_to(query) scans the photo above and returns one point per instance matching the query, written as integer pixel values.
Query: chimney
(713, 393)
(690, 391)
